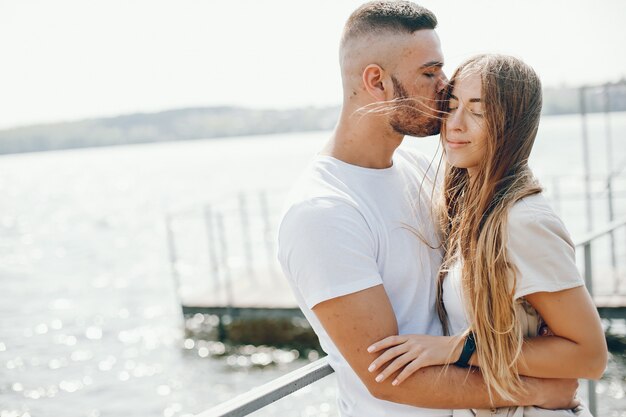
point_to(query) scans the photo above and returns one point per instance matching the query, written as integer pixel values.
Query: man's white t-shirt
(348, 228)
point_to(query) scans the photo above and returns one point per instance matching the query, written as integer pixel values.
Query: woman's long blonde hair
(474, 214)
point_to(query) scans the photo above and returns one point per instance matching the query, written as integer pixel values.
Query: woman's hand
(413, 351)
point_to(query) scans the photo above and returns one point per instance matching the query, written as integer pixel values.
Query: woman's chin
(456, 164)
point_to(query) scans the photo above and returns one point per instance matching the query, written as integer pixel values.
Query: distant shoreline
(224, 122)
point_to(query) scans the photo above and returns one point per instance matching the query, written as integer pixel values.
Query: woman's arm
(544, 254)
(577, 348)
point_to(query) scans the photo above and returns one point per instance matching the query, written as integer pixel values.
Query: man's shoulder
(318, 209)
(320, 188)
(318, 201)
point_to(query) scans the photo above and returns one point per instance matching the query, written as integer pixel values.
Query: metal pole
(609, 140)
(612, 236)
(212, 244)
(267, 232)
(587, 248)
(609, 166)
(171, 245)
(591, 385)
(226, 318)
(586, 163)
(588, 268)
(259, 397)
(246, 236)
(226, 270)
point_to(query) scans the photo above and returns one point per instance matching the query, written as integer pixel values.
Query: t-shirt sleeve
(542, 251)
(327, 250)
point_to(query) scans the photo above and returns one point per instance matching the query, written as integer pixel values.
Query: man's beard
(412, 117)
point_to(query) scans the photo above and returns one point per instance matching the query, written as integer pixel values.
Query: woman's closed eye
(472, 111)
(476, 109)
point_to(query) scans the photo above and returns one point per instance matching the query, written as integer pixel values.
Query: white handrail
(259, 397)
(601, 232)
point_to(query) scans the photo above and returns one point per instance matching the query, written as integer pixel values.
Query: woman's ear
(375, 82)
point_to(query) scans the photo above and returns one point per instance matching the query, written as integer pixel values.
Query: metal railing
(266, 394)
(272, 391)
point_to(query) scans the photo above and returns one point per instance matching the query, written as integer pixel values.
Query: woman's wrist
(456, 347)
(468, 347)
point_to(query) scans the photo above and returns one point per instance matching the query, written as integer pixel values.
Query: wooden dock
(609, 307)
(262, 293)
(245, 312)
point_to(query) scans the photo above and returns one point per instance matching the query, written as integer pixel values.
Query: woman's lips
(454, 144)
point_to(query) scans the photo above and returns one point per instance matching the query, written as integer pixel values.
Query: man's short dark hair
(392, 16)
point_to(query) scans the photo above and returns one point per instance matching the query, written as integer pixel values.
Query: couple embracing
(437, 288)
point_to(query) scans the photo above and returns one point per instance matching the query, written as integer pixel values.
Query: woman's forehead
(467, 84)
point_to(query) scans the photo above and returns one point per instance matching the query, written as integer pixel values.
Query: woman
(508, 260)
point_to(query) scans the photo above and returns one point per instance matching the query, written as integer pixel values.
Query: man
(358, 241)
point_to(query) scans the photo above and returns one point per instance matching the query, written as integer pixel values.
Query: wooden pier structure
(272, 297)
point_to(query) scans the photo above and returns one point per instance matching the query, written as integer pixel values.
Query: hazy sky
(71, 59)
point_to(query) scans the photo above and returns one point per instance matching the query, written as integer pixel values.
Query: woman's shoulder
(532, 218)
(540, 247)
(531, 209)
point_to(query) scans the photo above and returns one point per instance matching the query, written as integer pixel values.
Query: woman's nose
(455, 120)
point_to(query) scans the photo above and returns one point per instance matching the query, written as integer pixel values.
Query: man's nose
(443, 82)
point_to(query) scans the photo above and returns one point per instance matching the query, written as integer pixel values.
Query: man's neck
(364, 140)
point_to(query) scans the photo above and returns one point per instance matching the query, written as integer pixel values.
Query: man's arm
(357, 320)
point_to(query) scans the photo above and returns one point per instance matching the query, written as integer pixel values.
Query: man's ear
(376, 83)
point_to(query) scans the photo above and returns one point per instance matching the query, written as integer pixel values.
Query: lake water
(90, 323)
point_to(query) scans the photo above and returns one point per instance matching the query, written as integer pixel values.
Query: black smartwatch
(469, 347)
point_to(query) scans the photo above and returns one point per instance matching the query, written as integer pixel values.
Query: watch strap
(469, 347)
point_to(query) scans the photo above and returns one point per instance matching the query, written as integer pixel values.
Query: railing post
(267, 230)
(211, 242)
(609, 185)
(612, 235)
(171, 245)
(225, 264)
(588, 268)
(591, 385)
(246, 236)
(586, 163)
